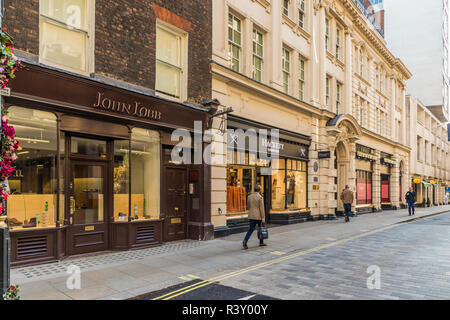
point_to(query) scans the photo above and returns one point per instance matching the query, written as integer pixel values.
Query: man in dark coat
(411, 199)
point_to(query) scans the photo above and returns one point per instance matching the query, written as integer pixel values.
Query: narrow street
(316, 260)
(413, 259)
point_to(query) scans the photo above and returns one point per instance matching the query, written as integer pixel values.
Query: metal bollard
(5, 254)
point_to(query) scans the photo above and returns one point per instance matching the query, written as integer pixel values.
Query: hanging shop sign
(433, 181)
(417, 181)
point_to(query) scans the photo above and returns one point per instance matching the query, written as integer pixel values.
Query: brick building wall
(125, 37)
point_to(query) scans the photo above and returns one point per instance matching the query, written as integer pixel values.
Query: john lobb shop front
(95, 172)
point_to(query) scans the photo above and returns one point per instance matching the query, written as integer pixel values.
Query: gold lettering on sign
(89, 228)
(135, 109)
(175, 220)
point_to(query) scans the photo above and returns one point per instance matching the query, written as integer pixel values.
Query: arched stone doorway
(343, 131)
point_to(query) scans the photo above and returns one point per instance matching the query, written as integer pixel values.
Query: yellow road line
(271, 262)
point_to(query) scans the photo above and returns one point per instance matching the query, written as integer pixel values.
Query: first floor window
(169, 68)
(64, 33)
(327, 91)
(338, 98)
(258, 52)
(301, 80)
(285, 8)
(234, 41)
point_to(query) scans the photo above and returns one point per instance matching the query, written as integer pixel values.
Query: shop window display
(121, 180)
(33, 185)
(145, 174)
(240, 180)
(289, 185)
(364, 187)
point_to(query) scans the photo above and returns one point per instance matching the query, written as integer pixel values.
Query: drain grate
(105, 259)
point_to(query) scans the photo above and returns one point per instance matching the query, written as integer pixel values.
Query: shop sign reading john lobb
(135, 109)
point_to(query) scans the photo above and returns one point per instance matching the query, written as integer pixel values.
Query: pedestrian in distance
(256, 215)
(347, 199)
(411, 198)
(446, 198)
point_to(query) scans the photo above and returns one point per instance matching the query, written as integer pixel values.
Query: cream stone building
(320, 72)
(430, 159)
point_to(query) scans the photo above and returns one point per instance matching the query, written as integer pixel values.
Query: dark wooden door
(87, 205)
(176, 204)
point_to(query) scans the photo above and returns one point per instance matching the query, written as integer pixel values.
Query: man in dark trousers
(256, 215)
(411, 199)
(347, 199)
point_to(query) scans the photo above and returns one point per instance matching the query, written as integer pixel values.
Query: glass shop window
(33, 185)
(145, 174)
(121, 181)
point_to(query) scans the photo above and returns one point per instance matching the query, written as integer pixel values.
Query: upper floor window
(286, 7)
(64, 34)
(234, 41)
(361, 62)
(327, 33)
(258, 55)
(301, 13)
(286, 61)
(169, 61)
(338, 43)
(301, 79)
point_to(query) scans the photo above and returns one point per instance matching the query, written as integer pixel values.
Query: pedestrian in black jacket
(411, 199)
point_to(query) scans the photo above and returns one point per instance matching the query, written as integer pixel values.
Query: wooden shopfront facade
(95, 171)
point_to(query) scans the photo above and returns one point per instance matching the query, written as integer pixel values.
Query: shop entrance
(176, 204)
(264, 182)
(88, 231)
(87, 167)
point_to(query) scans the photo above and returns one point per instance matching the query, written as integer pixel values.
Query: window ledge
(289, 22)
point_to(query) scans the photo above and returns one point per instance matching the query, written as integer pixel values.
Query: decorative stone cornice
(371, 34)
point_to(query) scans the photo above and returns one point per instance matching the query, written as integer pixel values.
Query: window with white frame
(258, 55)
(338, 98)
(338, 43)
(285, 8)
(361, 62)
(234, 41)
(327, 33)
(301, 79)
(286, 61)
(327, 91)
(301, 13)
(169, 61)
(64, 32)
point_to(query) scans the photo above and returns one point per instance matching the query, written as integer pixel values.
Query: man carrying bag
(256, 216)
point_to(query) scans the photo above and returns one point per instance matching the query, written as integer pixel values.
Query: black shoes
(244, 245)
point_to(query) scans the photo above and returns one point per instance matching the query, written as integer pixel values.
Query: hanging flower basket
(9, 145)
(9, 63)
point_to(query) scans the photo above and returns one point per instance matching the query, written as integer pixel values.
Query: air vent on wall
(30, 247)
(145, 234)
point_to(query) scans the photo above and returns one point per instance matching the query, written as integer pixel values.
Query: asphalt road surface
(407, 261)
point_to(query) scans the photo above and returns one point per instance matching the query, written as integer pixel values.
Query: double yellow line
(203, 283)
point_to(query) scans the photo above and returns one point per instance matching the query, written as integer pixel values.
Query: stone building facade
(321, 73)
(430, 160)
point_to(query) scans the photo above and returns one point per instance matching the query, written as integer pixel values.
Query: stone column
(376, 183)
(219, 180)
(352, 171)
(395, 183)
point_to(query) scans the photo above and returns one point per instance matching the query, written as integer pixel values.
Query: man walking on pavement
(256, 215)
(411, 199)
(347, 199)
